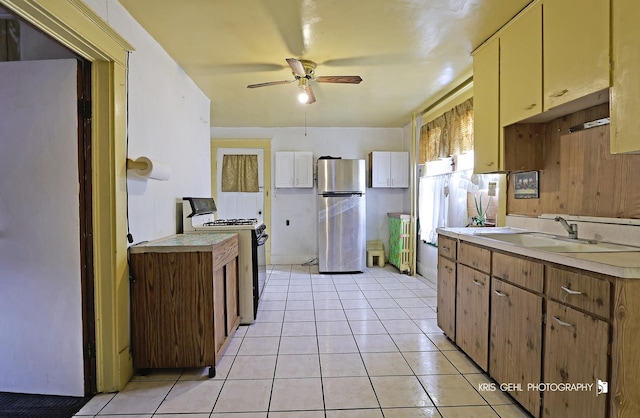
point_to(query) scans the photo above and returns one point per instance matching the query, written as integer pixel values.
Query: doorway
(244, 146)
(240, 205)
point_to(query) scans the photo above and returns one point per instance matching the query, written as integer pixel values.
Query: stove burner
(219, 222)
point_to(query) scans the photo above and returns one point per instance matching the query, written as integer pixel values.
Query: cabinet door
(447, 297)
(232, 312)
(219, 321)
(515, 342)
(486, 105)
(303, 171)
(521, 67)
(575, 352)
(285, 169)
(399, 170)
(576, 49)
(380, 169)
(472, 314)
(625, 106)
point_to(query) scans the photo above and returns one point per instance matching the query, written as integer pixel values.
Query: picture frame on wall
(526, 185)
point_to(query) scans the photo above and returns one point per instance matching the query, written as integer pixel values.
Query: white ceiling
(408, 53)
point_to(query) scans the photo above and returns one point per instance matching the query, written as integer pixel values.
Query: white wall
(168, 122)
(297, 243)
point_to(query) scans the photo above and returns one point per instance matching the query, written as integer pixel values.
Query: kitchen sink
(556, 244)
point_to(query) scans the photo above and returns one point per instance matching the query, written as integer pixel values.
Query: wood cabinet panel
(232, 297)
(474, 256)
(576, 49)
(515, 343)
(580, 290)
(472, 314)
(447, 247)
(219, 320)
(486, 108)
(521, 67)
(576, 350)
(520, 271)
(447, 297)
(625, 106)
(166, 333)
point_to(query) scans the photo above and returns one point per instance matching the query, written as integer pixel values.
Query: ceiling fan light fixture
(303, 97)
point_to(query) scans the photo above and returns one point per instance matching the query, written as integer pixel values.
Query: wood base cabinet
(548, 324)
(184, 302)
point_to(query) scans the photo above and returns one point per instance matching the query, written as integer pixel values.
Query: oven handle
(262, 239)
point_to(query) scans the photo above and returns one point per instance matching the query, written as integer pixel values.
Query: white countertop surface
(619, 264)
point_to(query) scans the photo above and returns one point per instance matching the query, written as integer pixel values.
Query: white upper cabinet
(389, 169)
(294, 169)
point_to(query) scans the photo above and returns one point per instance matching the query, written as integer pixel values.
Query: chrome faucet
(572, 229)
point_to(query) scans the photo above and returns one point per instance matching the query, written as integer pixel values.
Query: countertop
(625, 265)
(182, 243)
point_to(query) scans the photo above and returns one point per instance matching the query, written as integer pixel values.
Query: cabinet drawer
(579, 290)
(447, 247)
(525, 273)
(473, 256)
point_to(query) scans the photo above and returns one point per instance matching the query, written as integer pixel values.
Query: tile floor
(357, 346)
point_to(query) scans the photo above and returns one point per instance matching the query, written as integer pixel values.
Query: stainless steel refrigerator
(341, 216)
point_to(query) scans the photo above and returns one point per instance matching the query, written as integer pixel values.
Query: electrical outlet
(287, 222)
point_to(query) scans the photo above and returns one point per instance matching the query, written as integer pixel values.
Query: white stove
(198, 216)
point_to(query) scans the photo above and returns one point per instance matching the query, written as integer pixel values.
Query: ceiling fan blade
(270, 83)
(312, 97)
(296, 67)
(346, 79)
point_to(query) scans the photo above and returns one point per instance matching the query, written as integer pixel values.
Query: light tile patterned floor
(325, 346)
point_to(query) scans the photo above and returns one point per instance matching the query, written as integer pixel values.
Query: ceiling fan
(304, 71)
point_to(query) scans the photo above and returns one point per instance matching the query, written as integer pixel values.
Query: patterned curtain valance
(449, 134)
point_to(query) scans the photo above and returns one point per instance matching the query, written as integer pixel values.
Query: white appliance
(341, 216)
(198, 217)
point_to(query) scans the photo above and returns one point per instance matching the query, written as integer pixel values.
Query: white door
(40, 290)
(240, 204)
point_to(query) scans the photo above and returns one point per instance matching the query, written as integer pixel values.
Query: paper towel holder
(136, 165)
(146, 168)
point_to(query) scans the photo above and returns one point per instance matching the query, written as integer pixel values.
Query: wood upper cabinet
(389, 169)
(521, 67)
(486, 106)
(576, 351)
(515, 343)
(576, 49)
(294, 169)
(472, 314)
(625, 106)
